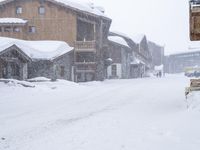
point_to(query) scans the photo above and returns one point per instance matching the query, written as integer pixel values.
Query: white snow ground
(140, 114)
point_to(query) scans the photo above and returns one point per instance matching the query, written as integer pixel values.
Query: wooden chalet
(84, 26)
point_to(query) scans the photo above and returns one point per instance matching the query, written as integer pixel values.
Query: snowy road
(140, 114)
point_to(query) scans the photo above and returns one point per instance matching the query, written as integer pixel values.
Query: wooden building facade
(194, 12)
(84, 29)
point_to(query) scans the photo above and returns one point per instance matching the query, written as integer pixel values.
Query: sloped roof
(12, 20)
(118, 40)
(45, 50)
(74, 4)
(138, 38)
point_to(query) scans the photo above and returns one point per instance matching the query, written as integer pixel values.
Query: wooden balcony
(85, 46)
(85, 63)
(85, 67)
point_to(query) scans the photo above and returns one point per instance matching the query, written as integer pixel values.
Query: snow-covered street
(138, 114)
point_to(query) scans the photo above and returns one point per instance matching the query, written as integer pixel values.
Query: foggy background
(165, 22)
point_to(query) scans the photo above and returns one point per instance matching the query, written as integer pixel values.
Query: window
(41, 10)
(62, 71)
(85, 31)
(19, 10)
(32, 29)
(7, 29)
(0, 29)
(17, 29)
(114, 70)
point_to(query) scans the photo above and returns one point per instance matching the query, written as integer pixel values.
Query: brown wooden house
(194, 20)
(84, 27)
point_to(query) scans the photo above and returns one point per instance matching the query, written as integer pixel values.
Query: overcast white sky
(163, 21)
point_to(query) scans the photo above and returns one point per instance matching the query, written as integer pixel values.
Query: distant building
(119, 54)
(142, 55)
(176, 63)
(157, 53)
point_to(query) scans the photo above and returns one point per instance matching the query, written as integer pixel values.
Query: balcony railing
(85, 63)
(86, 68)
(85, 46)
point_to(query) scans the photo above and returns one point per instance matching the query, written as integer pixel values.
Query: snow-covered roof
(121, 34)
(118, 40)
(75, 4)
(45, 50)
(138, 38)
(12, 21)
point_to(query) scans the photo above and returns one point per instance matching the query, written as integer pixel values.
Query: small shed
(20, 59)
(13, 63)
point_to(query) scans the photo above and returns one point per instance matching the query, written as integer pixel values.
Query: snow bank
(140, 114)
(39, 79)
(193, 101)
(13, 82)
(47, 50)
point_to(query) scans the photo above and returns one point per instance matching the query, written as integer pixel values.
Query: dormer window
(19, 10)
(41, 10)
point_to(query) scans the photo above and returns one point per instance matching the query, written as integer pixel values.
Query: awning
(6, 21)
